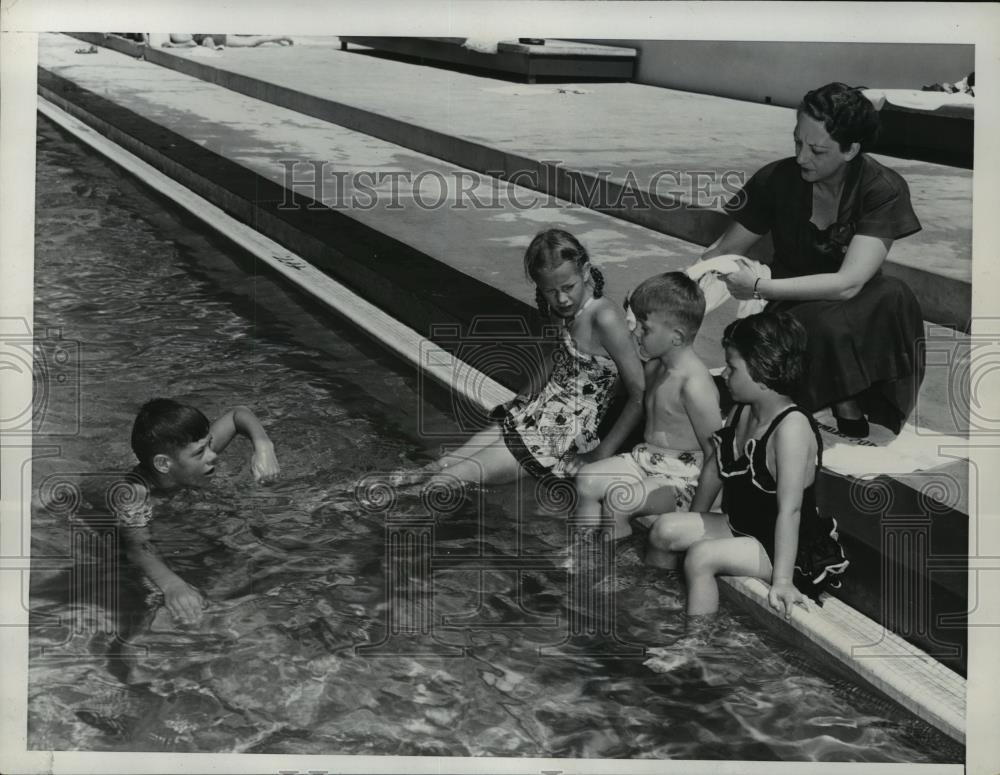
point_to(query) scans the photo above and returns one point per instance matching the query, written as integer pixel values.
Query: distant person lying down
(215, 40)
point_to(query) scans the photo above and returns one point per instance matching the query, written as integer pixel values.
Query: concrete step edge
(943, 299)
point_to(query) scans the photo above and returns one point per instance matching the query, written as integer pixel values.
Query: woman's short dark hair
(164, 426)
(845, 112)
(773, 344)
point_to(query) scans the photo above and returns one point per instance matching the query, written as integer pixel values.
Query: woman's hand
(740, 283)
(783, 595)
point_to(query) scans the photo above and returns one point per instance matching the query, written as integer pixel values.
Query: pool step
(874, 655)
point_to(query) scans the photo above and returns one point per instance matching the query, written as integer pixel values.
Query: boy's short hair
(773, 344)
(676, 295)
(164, 426)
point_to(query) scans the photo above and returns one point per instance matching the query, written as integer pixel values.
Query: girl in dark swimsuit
(766, 462)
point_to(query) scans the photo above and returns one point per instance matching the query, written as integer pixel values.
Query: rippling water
(296, 652)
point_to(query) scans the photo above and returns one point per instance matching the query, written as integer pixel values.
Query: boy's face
(191, 465)
(657, 334)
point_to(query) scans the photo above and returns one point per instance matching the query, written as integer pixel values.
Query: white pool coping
(874, 654)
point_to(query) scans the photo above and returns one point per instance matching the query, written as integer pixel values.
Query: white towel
(914, 449)
(716, 293)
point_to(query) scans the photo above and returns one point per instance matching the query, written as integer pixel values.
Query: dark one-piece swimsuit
(750, 500)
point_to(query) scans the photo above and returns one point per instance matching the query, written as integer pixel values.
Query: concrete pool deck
(662, 158)
(230, 148)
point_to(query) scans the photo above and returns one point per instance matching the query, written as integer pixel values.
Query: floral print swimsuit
(546, 431)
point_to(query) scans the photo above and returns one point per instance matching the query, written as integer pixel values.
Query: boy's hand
(783, 596)
(264, 464)
(183, 601)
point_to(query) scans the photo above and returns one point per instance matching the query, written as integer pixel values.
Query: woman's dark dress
(750, 501)
(865, 346)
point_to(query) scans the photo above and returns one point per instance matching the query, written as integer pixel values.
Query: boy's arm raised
(701, 403)
(614, 335)
(182, 600)
(241, 420)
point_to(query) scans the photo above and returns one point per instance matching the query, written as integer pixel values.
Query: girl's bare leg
(490, 465)
(674, 533)
(737, 556)
(484, 439)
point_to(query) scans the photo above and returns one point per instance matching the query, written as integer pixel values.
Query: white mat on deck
(914, 449)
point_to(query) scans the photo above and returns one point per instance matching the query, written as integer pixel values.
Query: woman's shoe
(857, 428)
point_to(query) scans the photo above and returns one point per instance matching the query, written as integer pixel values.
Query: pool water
(315, 641)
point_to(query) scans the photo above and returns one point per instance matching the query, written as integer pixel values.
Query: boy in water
(682, 412)
(177, 447)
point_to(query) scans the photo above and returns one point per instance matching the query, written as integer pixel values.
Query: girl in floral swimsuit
(767, 459)
(554, 431)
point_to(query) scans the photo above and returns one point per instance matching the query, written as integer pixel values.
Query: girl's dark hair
(773, 344)
(164, 426)
(549, 249)
(845, 112)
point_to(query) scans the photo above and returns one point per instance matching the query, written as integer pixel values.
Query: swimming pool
(293, 655)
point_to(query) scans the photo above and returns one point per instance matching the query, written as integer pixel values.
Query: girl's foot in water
(415, 475)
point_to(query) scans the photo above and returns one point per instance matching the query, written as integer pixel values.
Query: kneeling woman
(766, 462)
(833, 213)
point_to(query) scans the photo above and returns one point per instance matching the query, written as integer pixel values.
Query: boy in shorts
(682, 412)
(177, 447)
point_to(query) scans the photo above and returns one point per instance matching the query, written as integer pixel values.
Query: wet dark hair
(551, 248)
(674, 294)
(845, 112)
(164, 426)
(773, 344)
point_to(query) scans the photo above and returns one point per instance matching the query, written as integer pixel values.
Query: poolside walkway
(608, 145)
